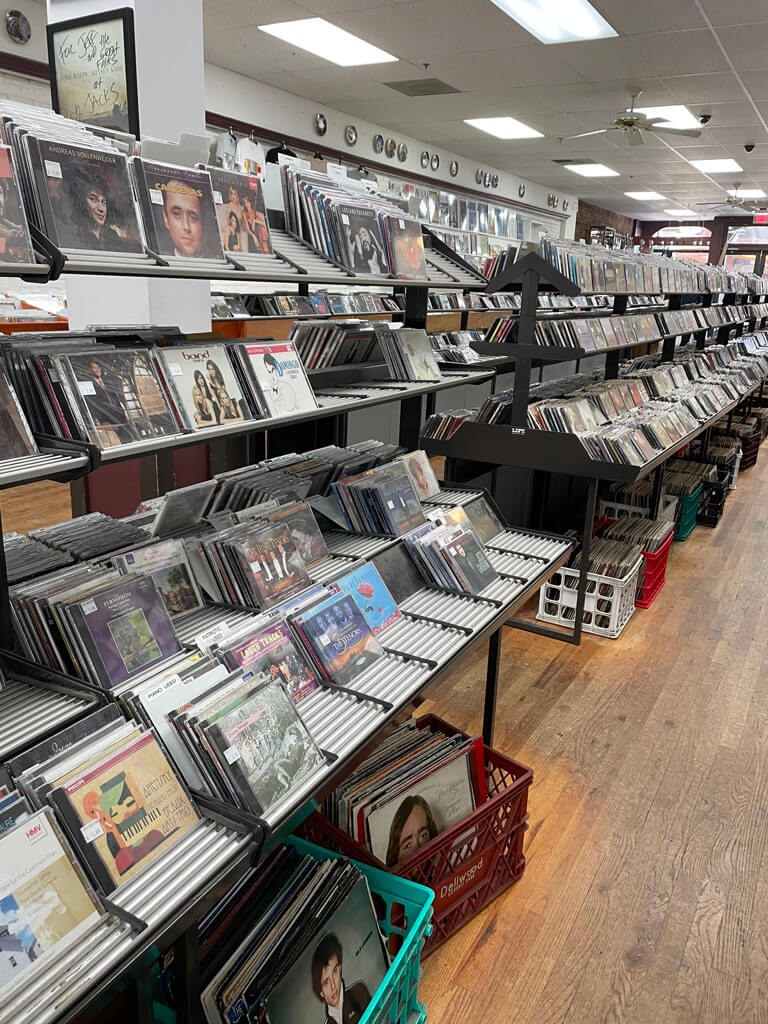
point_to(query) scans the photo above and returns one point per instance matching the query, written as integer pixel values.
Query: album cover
(276, 568)
(16, 439)
(86, 197)
(341, 638)
(45, 904)
(401, 505)
(279, 377)
(418, 353)
(274, 653)
(398, 827)
(132, 806)
(178, 210)
(406, 247)
(484, 520)
(265, 746)
(204, 384)
(420, 472)
(337, 975)
(120, 395)
(306, 534)
(15, 245)
(167, 564)
(240, 212)
(370, 593)
(362, 236)
(125, 628)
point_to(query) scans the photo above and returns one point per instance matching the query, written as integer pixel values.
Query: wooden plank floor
(645, 897)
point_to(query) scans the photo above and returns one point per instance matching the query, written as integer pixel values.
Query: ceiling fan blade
(600, 131)
(691, 133)
(635, 137)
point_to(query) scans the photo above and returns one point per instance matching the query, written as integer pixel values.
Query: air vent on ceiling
(422, 87)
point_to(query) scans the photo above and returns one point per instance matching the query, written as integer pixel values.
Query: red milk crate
(469, 864)
(654, 575)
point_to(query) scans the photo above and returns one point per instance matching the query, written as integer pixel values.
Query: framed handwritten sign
(93, 65)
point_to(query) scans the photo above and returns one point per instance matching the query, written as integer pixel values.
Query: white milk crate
(608, 604)
(614, 509)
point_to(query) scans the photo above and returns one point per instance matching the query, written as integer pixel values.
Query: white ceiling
(711, 55)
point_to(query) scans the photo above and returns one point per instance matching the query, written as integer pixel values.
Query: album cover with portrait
(406, 247)
(15, 245)
(203, 385)
(178, 210)
(365, 249)
(240, 212)
(85, 197)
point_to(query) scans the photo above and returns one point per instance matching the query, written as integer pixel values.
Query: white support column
(171, 93)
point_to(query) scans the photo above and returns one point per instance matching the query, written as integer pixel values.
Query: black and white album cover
(362, 235)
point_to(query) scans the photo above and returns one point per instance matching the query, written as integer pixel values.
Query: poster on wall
(93, 64)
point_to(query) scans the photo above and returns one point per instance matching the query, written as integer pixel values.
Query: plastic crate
(653, 575)
(750, 448)
(610, 509)
(465, 874)
(688, 506)
(608, 604)
(734, 473)
(712, 504)
(404, 911)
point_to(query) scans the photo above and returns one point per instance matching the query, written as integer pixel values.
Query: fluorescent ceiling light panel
(674, 117)
(680, 213)
(725, 166)
(643, 195)
(504, 127)
(592, 170)
(325, 40)
(746, 193)
(558, 21)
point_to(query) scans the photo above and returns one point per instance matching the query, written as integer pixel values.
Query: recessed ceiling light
(592, 170)
(504, 127)
(643, 195)
(746, 193)
(680, 212)
(715, 166)
(674, 117)
(558, 21)
(325, 40)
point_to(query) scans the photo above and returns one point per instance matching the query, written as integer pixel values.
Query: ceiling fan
(634, 124)
(734, 201)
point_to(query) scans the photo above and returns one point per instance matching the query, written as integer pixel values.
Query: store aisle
(645, 893)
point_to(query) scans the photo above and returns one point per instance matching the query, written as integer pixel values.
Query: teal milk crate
(688, 506)
(404, 912)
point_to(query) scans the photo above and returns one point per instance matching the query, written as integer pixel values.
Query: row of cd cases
(436, 629)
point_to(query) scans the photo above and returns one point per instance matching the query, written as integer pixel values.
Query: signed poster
(94, 70)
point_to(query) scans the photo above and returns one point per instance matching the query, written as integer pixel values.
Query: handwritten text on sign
(91, 74)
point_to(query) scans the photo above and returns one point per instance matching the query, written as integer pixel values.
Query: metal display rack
(479, 448)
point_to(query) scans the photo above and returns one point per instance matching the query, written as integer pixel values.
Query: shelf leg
(449, 470)
(589, 522)
(658, 485)
(410, 422)
(7, 638)
(491, 687)
(186, 962)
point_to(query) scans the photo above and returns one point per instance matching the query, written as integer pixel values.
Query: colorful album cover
(15, 245)
(341, 638)
(133, 806)
(205, 385)
(265, 745)
(373, 599)
(87, 198)
(362, 236)
(281, 381)
(240, 212)
(167, 564)
(121, 395)
(273, 652)
(484, 520)
(178, 210)
(420, 472)
(125, 628)
(406, 247)
(45, 905)
(276, 567)
(337, 975)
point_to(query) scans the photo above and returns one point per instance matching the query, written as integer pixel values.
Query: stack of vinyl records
(450, 555)
(456, 346)
(649, 534)
(607, 557)
(417, 784)
(367, 232)
(683, 477)
(408, 352)
(26, 557)
(443, 425)
(321, 344)
(308, 942)
(382, 501)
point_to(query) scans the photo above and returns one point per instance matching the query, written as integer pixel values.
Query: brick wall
(596, 217)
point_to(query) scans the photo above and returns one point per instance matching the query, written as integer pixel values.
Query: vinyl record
(390, 148)
(402, 152)
(378, 143)
(434, 162)
(424, 159)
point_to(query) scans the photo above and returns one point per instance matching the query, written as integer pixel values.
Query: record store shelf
(160, 908)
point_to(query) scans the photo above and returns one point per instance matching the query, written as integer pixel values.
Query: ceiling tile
(629, 17)
(717, 87)
(746, 45)
(735, 12)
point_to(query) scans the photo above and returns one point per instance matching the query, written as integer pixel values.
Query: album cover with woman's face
(205, 386)
(240, 212)
(362, 237)
(86, 197)
(15, 246)
(178, 210)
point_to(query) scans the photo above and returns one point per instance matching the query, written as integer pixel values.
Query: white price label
(232, 754)
(175, 370)
(87, 387)
(89, 607)
(156, 196)
(52, 168)
(91, 831)
(211, 636)
(218, 198)
(344, 219)
(324, 639)
(402, 224)
(390, 504)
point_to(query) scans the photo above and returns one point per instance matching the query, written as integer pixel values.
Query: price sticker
(218, 198)
(156, 196)
(89, 607)
(232, 754)
(87, 387)
(91, 831)
(53, 168)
